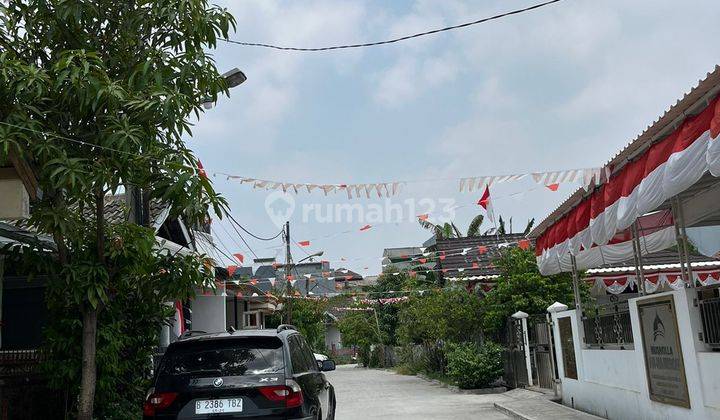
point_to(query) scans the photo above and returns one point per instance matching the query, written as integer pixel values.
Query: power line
(232, 237)
(394, 40)
(244, 241)
(230, 216)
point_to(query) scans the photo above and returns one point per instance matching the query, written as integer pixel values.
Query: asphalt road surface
(377, 394)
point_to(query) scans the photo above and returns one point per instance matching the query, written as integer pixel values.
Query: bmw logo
(218, 382)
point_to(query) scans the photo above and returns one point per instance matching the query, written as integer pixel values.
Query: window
(252, 320)
(309, 354)
(298, 358)
(237, 357)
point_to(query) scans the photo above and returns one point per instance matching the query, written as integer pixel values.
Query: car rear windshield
(224, 357)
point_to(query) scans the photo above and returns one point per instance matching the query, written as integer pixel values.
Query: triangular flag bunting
(231, 269)
(240, 257)
(364, 228)
(553, 187)
(304, 243)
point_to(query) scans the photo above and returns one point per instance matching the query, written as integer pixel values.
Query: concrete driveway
(377, 394)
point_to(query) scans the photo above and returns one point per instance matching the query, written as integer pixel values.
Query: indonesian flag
(304, 243)
(240, 257)
(486, 203)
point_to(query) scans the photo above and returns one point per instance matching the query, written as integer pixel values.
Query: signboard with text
(663, 354)
(567, 344)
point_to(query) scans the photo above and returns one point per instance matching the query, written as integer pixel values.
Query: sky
(562, 87)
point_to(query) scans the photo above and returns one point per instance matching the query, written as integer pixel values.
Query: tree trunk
(88, 380)
(89, 373)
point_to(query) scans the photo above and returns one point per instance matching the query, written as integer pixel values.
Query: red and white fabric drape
(617, 284)
(667, 168)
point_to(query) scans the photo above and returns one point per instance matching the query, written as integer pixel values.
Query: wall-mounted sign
(663, 354)
(567, 345)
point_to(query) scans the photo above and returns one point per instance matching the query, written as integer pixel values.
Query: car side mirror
(328, 365)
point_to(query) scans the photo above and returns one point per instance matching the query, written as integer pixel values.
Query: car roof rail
(190, 333)
(283, 327)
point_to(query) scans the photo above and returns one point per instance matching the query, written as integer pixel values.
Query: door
(307, 375)
(541, 358)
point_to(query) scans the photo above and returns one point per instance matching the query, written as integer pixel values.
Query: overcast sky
(562, 87)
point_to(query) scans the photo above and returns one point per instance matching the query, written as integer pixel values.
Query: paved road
(376, 394)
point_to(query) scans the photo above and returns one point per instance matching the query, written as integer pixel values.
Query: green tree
(391, 285)
(97, 95)
(449, 230)
(359, 329)
(444, 314)
(521, 287)
(308, 317)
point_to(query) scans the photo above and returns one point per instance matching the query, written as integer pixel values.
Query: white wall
(332, 336)
(208, 313)
(613, 383)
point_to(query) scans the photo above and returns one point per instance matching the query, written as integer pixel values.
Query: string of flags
(485, 202)
(421, 258)
(552, 179)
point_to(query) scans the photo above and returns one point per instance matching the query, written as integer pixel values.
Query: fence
(513, 343)
(608, 327)
(23, 390)
(710, 314)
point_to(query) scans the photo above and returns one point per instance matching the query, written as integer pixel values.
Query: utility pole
(288, 267)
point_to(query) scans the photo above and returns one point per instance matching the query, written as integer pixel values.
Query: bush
(472, 366)
(428, 358)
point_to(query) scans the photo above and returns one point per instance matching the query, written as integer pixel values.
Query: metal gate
(513, 343)
(542, 359)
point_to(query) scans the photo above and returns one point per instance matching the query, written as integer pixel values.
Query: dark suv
(249, 374)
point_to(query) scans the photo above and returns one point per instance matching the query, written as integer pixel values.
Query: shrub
(472, 366)
(447, 315)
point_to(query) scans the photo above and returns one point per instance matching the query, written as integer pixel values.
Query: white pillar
(554, 308)
(522, 316)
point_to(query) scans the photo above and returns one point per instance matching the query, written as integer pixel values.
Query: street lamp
(234, 77)
(310, 257)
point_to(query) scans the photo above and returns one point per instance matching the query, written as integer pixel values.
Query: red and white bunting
(240, 257)
(666, 168)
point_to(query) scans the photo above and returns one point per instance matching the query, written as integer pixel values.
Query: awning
(589, 230)
(668, 276)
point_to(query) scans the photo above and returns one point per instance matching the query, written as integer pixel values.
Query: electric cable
(230, 216)
(393, 40)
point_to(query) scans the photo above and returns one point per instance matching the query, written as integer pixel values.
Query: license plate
(223, 405)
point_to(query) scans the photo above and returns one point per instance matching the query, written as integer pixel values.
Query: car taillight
(291, 393)
(158, 401)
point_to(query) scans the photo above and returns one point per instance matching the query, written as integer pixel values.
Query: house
(654, 355)
(23, 306)
(308, 278)
(471, 259)
(400, 258)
